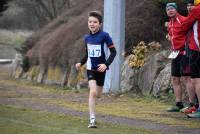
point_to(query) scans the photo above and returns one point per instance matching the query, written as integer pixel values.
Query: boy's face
(93, 24)
(171, 12)
(190, 6)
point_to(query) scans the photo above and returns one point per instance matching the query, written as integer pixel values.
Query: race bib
(94, 50)
(173, 54)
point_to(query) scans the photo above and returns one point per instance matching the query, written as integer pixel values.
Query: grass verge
(131, 106)
(14, 120)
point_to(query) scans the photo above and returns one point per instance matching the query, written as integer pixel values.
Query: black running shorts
(180, 66)
(98, 76)
(195, 64)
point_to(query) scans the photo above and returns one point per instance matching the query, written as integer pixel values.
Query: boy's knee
(99, 95)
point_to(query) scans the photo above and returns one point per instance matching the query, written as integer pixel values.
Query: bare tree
(31, 14)
(44, 10)
(3, 5)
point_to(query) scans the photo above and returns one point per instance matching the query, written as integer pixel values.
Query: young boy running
(96, 60)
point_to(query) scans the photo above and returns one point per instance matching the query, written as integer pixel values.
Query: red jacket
(193, 22)
(177, 36)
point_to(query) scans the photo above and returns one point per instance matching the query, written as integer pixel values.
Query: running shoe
(92, 124)
(190, 110)
(195, 114)
(174, 109)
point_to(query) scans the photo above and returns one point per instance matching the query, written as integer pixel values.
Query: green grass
(130, 106)
(136, 108)
(127, 105)
(15, 120)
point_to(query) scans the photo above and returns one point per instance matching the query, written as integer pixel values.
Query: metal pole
(114, 24)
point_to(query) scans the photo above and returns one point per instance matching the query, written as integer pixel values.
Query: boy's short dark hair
(97, 15)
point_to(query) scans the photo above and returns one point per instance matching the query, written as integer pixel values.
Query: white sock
(92, 118)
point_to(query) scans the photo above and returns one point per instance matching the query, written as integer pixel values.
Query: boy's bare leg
(92, 98)
(99, 91)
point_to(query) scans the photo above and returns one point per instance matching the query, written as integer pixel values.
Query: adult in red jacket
(193, 106)
(178, 68)
(193, 22)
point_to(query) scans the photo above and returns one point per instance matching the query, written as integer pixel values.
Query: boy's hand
(78, 66)
(102, 67)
